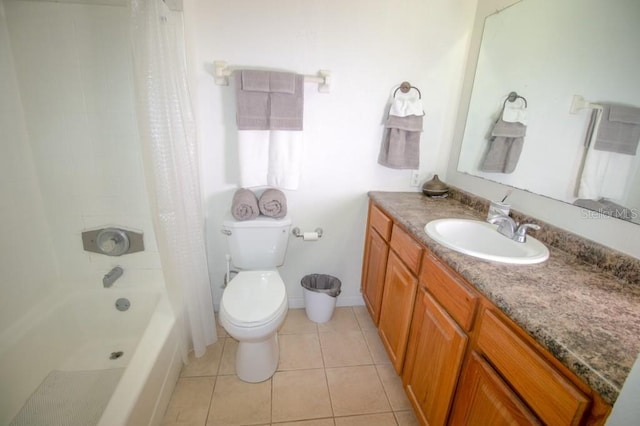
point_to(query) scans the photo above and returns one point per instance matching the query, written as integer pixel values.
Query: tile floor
(332, 374)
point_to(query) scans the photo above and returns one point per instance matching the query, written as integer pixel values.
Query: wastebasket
(320, 296)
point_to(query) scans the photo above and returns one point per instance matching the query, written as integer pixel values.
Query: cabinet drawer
(456, 296)
(380, 222)
(409, 250)
(551, 396)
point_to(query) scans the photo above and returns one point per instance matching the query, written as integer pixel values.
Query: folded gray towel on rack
(244, 205)
(255, 81)
(506, 142)
(252, 106)
(273, 203)
(619, 129)
(283, 82)
(286, 109)
(400, 148)
(267, 100)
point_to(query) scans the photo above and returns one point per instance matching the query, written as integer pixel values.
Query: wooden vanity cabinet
(374, 265)
(434, 357)
(550, 395)
(462, 360)
(484, 399)
(438, 340)
(400, 285)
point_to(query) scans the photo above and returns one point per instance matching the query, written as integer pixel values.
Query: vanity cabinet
(462, 360)
(550, 395)
(484, 399)
(374, 265)
(443, 315)
(434, 358)
(400, 285)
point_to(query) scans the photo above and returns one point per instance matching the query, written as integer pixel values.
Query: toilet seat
(254, 298)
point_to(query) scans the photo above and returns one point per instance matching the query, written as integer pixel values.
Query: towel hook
(404, 87)
(512, 98)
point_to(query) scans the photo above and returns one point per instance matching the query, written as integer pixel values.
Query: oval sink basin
(482, 240)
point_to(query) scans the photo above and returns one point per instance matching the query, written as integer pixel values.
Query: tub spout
(112, 276)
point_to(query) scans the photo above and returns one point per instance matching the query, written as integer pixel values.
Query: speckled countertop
(573, 304)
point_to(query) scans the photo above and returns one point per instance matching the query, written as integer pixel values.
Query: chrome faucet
(510, 228)
(112, 276)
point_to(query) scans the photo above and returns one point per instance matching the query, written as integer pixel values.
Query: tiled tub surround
(573, 304)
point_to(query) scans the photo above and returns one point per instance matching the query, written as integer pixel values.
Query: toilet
(254, 303)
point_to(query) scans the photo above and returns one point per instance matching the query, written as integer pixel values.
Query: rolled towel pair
(244, 205)
(273, 203)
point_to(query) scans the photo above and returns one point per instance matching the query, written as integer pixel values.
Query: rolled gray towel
(244, 205)
(273, 203)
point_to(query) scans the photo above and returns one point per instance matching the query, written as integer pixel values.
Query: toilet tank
(258, 243)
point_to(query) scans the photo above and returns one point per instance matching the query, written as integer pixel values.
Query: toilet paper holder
(296, 232)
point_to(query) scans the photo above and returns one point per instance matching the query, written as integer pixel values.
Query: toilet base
(257, 361)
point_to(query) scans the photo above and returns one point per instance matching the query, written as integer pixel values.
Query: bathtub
(84, 333)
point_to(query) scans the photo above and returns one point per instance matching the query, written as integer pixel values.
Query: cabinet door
(397, 307)
(550, 395)
(484, 399)
(434, 357)
(373, 272)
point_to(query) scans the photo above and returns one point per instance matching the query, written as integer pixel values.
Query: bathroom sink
(482, 240)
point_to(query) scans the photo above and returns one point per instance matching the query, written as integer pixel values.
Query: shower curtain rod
(323, 79)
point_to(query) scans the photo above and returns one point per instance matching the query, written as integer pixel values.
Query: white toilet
(254, 303)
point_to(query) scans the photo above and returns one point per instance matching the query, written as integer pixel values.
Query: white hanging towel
(253, 155)
(270, 158)
(515, 112)
(285, 159)
(605, 174)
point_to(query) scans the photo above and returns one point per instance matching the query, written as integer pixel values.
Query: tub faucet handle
(112, 276)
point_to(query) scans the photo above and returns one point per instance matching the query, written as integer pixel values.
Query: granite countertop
(583, 314)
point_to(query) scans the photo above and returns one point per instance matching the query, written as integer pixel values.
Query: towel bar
(323, 79)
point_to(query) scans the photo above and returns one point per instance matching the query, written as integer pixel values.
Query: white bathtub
(78, 332)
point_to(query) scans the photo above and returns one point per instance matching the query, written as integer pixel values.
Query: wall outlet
(415, 178)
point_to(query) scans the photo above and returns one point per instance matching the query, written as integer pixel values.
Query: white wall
(73, 70)
(370, 47)
(29, 272)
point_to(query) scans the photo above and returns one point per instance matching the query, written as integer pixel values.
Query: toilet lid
(253, 296)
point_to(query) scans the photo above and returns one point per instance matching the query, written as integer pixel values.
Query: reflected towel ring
(512, 98)
(405, 87)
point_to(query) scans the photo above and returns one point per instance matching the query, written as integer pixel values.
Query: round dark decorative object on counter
(435, 187)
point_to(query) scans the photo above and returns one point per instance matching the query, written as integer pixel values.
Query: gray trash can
(320, 296)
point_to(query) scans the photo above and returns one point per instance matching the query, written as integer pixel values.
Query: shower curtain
(168, 137)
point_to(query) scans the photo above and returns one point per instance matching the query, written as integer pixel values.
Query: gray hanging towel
(505, 147)
(400, 148)
(619, 129)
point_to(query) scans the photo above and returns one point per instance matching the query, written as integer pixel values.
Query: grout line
(215, 383)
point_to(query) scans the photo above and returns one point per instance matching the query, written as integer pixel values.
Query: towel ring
(405, 87)
(512, 98)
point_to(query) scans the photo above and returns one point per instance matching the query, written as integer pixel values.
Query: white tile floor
(332, 374)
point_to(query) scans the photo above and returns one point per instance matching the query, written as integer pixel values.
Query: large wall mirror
(553, 55)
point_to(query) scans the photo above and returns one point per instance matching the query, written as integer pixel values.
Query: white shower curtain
(168, 136)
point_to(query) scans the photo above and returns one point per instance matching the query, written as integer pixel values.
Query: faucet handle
(521, 233)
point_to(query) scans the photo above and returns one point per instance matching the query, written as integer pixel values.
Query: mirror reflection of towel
(505, 147)
(619, 129)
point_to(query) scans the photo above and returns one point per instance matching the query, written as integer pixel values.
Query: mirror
(548, 52)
